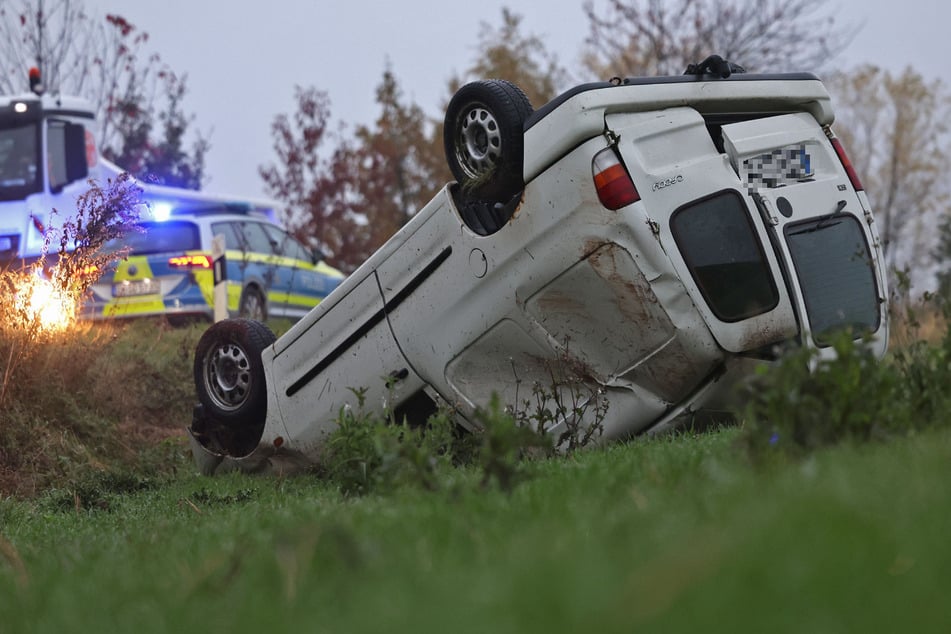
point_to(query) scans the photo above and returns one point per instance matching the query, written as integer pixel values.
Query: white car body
(443, 314)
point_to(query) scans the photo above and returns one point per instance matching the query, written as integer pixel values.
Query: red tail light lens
(614, 184)
(190, 262)
(847, 164)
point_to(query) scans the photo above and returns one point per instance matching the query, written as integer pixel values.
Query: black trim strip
(81, 114)
(371, 323)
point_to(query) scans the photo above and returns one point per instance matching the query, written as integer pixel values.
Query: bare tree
(104, 59)
(507, 52)
(895, 129)
(53, 36)
(661, 37)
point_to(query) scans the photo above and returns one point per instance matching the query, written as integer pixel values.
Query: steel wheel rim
(228, 376)
(480, 142)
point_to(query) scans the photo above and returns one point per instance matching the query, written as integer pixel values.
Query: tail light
(847, 164)
(200, 261)
(614, 184)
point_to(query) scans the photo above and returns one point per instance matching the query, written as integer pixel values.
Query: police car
(645, 241)
(169, 268)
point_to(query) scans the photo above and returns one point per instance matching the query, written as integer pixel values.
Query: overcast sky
(243, 57)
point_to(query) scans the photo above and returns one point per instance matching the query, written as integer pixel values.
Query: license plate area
(780, 151)
(135, 288)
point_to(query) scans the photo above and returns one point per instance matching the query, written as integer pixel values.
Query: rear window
(834, 266)
(161, 237)
(718, 242)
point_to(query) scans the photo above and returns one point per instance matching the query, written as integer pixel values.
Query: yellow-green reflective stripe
(270, 260)
(275, 260)
(293, 298)
(124, 308)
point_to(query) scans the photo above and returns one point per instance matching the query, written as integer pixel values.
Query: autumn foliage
(350, 199)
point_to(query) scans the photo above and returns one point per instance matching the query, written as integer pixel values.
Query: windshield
(19, 161)
(835, 272)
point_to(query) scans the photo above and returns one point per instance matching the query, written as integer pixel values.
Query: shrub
(503, 443)
(806, 402)
(368, 453)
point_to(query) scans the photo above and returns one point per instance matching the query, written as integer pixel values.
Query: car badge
(133, 269)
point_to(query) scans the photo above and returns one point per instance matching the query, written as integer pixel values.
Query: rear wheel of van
(229, 374)
(483, 139)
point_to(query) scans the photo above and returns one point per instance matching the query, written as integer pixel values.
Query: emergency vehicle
(48, 155)
(169, 267)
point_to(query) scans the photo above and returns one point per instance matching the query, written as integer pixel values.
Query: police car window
(159, 237)
(287, 245)
(234, 240)
(258, 241)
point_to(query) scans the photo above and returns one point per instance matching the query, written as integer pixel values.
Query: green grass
(827, 512)
(676, 534)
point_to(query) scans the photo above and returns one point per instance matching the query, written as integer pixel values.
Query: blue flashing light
(161, 211)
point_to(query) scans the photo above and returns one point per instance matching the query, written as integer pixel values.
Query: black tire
(483, 136)
(229, 374)
(252, 305)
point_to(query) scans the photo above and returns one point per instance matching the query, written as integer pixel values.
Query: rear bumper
(156, 308)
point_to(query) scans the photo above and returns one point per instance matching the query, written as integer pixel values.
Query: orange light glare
(190, 262)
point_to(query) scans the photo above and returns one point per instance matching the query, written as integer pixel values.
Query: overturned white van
(653, 237)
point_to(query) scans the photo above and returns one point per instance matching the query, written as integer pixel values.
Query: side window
(66, 153)
(56, 154)
(287, 245)
(19, 157)
(258, 240)
(234, 240)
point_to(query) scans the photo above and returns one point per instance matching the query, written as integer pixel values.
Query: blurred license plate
(780, 167)
(134, 287)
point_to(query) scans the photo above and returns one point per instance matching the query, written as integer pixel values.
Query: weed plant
(805, 402)
(370, 453)
(367, 452)
(570, 398)
(72, 400)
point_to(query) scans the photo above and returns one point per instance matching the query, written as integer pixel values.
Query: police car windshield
(159, 237)
(19, 175)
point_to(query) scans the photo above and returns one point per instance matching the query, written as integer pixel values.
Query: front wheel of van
(229, 373)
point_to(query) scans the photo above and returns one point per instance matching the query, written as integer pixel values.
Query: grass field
(828, 511)
(677, 534)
